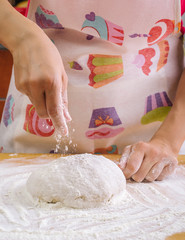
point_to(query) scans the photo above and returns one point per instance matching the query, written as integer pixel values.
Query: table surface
(29, 159)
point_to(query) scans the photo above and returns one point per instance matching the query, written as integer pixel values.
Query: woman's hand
(39, 71)
(40, 74)
(149, 161)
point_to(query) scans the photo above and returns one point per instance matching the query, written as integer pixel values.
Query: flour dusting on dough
(79, 181)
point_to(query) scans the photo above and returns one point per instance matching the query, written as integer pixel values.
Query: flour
(58, 138)
(147, 211)
(66, 141)
(79, 181)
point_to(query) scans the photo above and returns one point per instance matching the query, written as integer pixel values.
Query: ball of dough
(78, 181)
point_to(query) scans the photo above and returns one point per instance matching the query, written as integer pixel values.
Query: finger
(64, 81)
(168, 170)
(145, 168)
(134, 161)
(155, 171)
(32, 87)
(65, 103)
(66, 114)
(65, 97)
(39, 101)
(124, 157)
(54, 106)
(161, 169)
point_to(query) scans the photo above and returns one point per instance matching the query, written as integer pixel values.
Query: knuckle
(21, 86)
(156, 154)
(46, 81)
(49, 79)
(142, 145)
(131, 167)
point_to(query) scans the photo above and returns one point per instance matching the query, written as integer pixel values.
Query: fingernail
(69, 118)
(149, 179)
(138, 180)
(66, 114)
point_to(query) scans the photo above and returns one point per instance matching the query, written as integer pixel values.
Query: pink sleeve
(26, 14)
(182, 7)
(182, 12)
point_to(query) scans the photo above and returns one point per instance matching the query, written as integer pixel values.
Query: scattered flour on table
(79, 181)
(147, 211)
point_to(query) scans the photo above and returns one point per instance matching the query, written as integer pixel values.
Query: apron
(123, 60)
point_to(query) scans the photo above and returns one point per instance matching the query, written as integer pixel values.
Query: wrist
(15, 29)
(166, 143)
(29, 31)
(172, 132)
(20, 32)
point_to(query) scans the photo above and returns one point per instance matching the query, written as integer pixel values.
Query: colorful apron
(123, 59)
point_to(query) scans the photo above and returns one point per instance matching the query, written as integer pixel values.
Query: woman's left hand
(149, 161)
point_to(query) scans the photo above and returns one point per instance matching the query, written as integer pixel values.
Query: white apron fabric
(123, 59)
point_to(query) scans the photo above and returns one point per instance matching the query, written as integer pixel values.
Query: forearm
(13, 26)
(173, 128)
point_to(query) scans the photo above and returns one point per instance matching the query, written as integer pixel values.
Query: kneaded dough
(78, 181)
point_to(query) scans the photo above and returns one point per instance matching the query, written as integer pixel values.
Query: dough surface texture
(78, 181)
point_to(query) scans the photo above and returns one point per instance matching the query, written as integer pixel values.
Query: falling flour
(64, 144)
(147, 210)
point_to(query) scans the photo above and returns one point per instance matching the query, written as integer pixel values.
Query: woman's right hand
(40, 74)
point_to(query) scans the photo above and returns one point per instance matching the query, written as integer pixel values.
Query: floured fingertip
(123, 161)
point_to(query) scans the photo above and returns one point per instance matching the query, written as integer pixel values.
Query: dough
(78, 181)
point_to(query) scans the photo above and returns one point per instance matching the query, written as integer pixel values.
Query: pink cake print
(104, 69)
(47, 19)
(105, 29)
(113, 149)
(143, 60)
(104, 122)
(157, 108)
(164, 48)
(36, 125)
(158, 33)
(8, 114)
